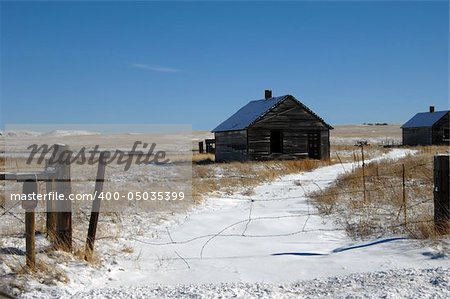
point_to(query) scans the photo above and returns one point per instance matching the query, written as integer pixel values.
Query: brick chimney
(431, 109)
(267, 94)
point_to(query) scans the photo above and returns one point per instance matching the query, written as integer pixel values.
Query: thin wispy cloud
(155, 68)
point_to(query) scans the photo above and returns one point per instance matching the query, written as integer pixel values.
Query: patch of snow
(395, 154)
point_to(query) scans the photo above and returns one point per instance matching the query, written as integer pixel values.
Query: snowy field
(270, 244)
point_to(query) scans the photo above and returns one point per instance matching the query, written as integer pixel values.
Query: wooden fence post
(30, 187)
(441, 194)
(200, 147)
(363, 172)
(90, 240)
(60, 160)
(51, 215)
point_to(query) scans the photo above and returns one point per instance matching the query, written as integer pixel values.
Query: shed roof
(424, 119)
(255, 110)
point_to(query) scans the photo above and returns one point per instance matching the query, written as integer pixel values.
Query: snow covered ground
(404, 283)
(257, 245)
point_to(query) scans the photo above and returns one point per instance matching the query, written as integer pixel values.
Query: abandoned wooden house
(427, 128)
(273, 128)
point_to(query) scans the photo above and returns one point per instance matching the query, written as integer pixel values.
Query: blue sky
(198, 62)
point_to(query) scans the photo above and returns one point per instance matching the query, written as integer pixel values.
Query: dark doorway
(314, 145)
(276, 141)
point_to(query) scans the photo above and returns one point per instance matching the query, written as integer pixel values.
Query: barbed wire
(221, 233)
(252, 177)
(8, 211)
(301, 183)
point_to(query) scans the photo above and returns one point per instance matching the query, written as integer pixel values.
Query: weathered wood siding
(231, 146)
(439, 130)
(325, 144)
(417, 136)
(295, 123)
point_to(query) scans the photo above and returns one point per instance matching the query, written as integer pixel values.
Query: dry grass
(382, 209)
(202, 158)
(244, 176)
(47, 271)
(350, 153)
(127, 249)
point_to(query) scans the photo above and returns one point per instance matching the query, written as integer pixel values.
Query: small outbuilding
(427, 128)
(273, 128)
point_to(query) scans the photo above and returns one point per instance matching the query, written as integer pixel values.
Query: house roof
(425, 119)
(255, 110)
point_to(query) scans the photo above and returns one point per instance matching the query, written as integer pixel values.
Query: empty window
(276, 141)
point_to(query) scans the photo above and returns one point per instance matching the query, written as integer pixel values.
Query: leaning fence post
(95, 206)
(30, 188)
(441, 194)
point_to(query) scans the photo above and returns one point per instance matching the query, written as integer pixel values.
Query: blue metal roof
(254, 110)
(424, 119)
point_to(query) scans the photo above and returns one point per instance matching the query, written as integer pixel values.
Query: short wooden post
(200, 147)
(30, 188)
(441, 194)
(30, 239)
(60, 160)
(90, 240)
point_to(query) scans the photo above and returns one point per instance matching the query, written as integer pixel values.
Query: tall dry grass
(244, 176)
(381, 209)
